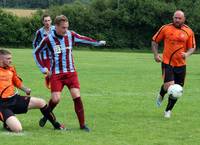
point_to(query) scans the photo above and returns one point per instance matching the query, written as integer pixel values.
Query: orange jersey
(176, 41)
(8, 81)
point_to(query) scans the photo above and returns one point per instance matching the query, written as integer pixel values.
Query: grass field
(21, 12)
(118, 90)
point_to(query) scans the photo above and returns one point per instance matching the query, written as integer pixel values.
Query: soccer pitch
(118, 90)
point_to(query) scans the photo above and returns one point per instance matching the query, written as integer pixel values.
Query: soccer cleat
(159, 100)
(167, 114)
(85, 128)
(42, 121)
(58, 126)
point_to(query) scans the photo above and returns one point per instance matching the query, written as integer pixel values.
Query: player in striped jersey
(40, 34)
(62, 71)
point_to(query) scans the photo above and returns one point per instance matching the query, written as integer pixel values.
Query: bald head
(178, 18)
(180, 13)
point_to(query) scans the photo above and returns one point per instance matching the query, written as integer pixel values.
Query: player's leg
(56, 89)
(78, 107)
(23, 103)
(74, 87)
(179, 75)
(38, 103)
(168, 80)
(46, 61)
(11, 123)
(47, 64)
(55, 99)
(179, 78)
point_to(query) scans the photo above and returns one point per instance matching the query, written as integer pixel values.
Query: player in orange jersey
(179, 44)
(12, 103)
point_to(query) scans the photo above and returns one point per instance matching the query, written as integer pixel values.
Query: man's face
(178, 19)
(6, 60)
(47, 22)
(62, 28)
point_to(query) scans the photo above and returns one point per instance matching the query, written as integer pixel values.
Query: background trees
(123, 23)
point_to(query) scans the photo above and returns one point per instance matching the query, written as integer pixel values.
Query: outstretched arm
(86, 40)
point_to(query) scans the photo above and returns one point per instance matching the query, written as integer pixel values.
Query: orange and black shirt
(8, 81)
(176, 40)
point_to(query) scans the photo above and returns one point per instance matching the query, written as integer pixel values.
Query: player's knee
(75, 93)
(13, 124)
(55, 99)
(167, 84)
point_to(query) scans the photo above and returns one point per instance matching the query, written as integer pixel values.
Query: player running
(12, 103)
(62, 71)
(40, 34)
(179, 44)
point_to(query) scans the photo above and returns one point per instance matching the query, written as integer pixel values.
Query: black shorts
(176, 74)
(15, 105)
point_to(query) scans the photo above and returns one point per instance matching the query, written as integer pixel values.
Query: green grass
(118, 90)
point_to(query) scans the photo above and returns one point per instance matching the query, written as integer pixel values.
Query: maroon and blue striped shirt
(60, 48)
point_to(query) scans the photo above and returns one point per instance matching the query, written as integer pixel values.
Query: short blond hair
(4, 52)
(59, 19)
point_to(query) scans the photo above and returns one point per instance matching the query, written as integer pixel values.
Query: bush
(128, 24)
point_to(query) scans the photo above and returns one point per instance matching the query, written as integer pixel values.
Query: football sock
(162, 91)
(46, 111)
(78, 106)
(52, 105)
(171, 102)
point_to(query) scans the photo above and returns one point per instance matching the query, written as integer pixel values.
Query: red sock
(52, 105)
(78, 106)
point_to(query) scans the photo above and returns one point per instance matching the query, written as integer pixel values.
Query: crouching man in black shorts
(11, 103)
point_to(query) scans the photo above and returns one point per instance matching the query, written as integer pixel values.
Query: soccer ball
(175, 90)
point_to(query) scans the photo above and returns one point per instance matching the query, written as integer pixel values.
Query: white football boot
(167, 114)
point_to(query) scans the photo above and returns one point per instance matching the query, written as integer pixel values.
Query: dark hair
(44, 16)
(4, 52)
(59, 19)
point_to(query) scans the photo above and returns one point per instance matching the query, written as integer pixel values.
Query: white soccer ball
(175, 90)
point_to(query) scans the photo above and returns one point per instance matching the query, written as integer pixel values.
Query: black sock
(52, 105)
(162, 91)
(171, 102)
(46, 111)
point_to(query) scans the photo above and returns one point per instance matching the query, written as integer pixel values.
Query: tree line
(122, 23)
(32, 3)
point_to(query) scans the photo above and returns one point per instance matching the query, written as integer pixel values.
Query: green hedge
(127, 24)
